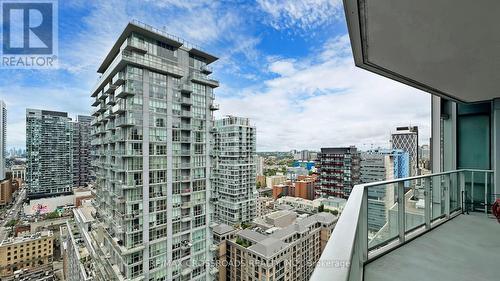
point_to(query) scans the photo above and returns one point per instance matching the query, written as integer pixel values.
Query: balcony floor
(464, 248)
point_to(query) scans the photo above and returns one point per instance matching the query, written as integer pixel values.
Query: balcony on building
(199, 77)
(438, 226)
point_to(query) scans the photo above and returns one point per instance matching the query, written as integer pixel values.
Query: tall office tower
(339, 170)
(406, 139)
(152, 131)
(378, 167)
(234, 170)
(81, 151)
(49, 144)
(3, 138)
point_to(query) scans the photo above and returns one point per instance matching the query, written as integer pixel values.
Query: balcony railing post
(462, 191)
(472, 191)
(363, 227)
(401, 211)
(446, 189)
(486, 193)
(427, 208)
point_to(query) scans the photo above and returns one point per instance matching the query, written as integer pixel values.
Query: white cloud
(327, 101)
(303, 14)
(283, 67)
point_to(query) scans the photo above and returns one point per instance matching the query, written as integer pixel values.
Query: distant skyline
(286, 66)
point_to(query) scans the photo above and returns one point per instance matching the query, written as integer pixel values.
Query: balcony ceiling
(448, 48)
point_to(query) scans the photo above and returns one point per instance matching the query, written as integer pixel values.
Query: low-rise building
(221, 234)
(261, 181)
(332, 204)
(280, 190)
(292, 173)
(282, 252)
(264, 206)
(8, 187)
(275, 180)
(19, 172)
(27, 257)
(305, 189)
(50, 204)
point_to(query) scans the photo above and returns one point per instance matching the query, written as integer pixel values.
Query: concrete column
(435, 154)
(436, 134)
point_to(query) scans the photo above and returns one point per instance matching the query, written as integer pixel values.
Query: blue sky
(285, 65)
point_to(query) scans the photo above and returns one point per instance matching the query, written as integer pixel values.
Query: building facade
(234, 170)
(81, 151)
(275, 180)
(152, 132)
(3, 138)
(406, 139)
(27, 257)
(49, 143)
(339, 171)
(18, 172)
(8, 187)
(259, 165)
(378, 167)
(288, 250)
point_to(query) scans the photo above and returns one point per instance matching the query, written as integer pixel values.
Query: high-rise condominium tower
(49, 149)
(3, 138)
(81, 151)
(234, 170)
(406, 139)
(151, 132)
(339, 168)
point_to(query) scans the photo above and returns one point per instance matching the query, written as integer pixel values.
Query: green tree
(52, 215)
(334, 212)
(321, 208)
(11, 223)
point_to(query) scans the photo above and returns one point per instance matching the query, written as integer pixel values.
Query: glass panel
(414, 196)
(382, 214)
(455, 203)
(437, 196)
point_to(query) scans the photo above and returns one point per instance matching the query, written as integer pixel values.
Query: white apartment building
(234, 180)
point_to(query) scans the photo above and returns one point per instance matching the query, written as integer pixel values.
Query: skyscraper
(234, 170)
(81, 151)
(49, 144)
(3, 138)
(339, 170)
(378, 167)
(152, 131)
(406, 139)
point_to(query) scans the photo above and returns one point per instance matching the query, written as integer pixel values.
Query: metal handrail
(347, 250)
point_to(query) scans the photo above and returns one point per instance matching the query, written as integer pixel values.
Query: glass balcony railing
(381, 216)
(155, 65)
(203, 78)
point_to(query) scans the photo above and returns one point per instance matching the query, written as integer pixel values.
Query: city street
(12, 213)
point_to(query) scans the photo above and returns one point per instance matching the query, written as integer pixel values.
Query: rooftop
(272, 242)
(155, 33)
(222, 229)
(26, 238)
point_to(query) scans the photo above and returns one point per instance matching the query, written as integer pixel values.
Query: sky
(285, 65)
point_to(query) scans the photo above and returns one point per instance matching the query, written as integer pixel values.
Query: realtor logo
(29, 33)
